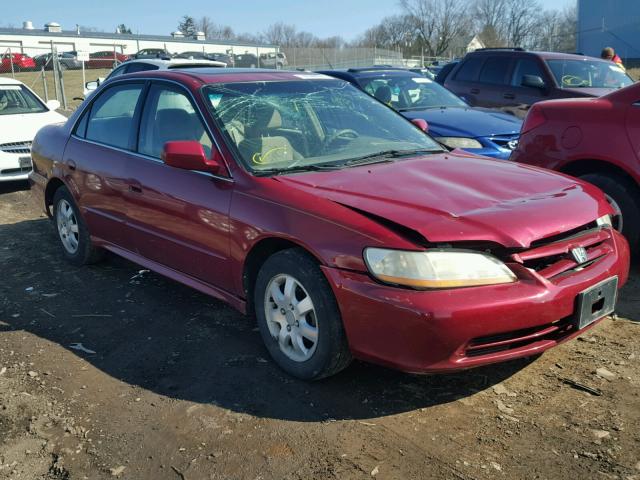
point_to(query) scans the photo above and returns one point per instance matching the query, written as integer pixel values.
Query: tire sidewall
(309, 275)
(79, 257)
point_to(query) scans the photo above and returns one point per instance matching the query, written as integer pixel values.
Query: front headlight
(436, 268)
(604, 221)
(459, 142)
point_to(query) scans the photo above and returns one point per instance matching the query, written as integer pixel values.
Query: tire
(72, 231)
(329, 352)
(626, 196)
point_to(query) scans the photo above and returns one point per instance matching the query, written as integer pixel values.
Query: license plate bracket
(596, 302)
(25, 162)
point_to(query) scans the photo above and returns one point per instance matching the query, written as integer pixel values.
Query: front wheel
(298, 317)
(624, 197)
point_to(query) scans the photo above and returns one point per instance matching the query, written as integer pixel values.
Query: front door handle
(135, 188)
(509, 96)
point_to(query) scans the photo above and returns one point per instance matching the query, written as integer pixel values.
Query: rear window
(468, 72)
(495, 70)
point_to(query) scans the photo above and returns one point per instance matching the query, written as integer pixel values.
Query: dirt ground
(106, 372)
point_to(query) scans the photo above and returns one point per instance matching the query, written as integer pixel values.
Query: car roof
(9, 81)
(173, 62)
(227, 75)
(533, 53)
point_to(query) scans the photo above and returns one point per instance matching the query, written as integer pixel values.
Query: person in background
(609, 53)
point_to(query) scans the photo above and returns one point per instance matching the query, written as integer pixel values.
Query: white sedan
(22, 114)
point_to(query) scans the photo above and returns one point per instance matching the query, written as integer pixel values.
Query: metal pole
(258, 56)
(64, 95)
(44, 85)
(56, 84)
(13, 73)
(84, 80)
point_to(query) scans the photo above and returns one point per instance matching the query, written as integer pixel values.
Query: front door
(180, 217)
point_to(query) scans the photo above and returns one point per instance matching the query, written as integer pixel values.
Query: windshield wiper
(300, 168)
(386, 156)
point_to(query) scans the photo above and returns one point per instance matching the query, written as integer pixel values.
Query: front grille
(554, 257)
(13, 171)
(519, 338)
(508, 142)
(16, 147)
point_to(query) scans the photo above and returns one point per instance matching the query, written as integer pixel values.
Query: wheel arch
(581, 167)
(52, 186)
(256, 257)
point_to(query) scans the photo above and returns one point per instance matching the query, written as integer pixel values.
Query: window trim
(135, 118)
(147, 81)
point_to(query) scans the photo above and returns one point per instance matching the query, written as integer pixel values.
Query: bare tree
(438, 22)
(212, 30)
(522, 19)
(281, 34)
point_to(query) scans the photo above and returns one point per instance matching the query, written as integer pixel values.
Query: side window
(141, 67)
(494, 70)
(169, 116)
(111, 119)
(525, 66)
(118, 71)
(81, 128)
(468, 72)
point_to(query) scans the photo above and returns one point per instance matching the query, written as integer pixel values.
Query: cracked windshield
(591, 74)
(279, 127)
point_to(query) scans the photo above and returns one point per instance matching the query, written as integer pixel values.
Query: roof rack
(508, 49)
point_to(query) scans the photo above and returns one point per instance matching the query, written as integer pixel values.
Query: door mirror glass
(189, 155)
(92, 85)
(53, 104)
(421, 124)
(533, 81)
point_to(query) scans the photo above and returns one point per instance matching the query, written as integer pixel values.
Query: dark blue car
(451, 120)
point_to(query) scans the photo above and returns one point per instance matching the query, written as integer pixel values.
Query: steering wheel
(343, 134)
(573, 81)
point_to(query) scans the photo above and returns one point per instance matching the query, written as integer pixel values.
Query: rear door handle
(509, 96)
(135, 188)
(475, 90)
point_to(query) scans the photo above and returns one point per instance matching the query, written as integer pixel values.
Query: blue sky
(346, 18)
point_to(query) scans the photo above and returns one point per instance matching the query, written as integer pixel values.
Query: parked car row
(321, 206)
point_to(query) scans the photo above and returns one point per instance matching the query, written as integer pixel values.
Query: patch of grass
(73, 85)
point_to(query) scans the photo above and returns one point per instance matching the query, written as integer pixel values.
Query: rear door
(180, 218)
(98, 158)
(493, 82)
(464, 80)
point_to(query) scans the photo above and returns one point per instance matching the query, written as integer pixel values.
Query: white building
(32, 42)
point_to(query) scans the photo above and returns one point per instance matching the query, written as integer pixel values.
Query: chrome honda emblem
(513, 144)
(580, 255)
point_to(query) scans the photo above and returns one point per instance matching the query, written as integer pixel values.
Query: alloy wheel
(291, 317)
(67, 223)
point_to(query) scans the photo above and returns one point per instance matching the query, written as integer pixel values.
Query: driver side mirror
(421, 124)
(92, 85)
(533, 81)
(189, 155)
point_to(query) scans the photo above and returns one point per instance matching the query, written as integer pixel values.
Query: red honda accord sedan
(345, 229)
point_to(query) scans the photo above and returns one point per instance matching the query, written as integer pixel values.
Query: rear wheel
(72, 231)
(624, 197)
(298, 317)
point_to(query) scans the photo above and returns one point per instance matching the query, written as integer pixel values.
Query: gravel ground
(106, 372)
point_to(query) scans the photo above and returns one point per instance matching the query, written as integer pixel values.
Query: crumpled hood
(466, 122)
(458, 197)
(23, 127)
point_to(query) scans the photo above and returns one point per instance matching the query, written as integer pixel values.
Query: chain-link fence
(57, 75)
(332, 58)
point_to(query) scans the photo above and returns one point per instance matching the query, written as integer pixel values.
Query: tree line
(429, 27)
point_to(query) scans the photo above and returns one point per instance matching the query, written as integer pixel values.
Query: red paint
(19, 61)
(189, 155)
(199, 230)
